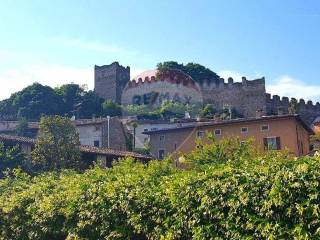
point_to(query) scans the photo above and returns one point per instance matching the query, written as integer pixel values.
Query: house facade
(96, 132)
(141, 139)
(89, 154)
(269, 133)
(102, 132)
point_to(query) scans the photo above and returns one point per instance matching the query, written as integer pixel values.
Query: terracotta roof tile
(83, 148)
(113, 152)
(17, 139)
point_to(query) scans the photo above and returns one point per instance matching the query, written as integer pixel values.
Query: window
(244, 130)
(96, 143)
(264, 128)
(154, 129)
(272, 143)
(200, 134)
(162, 138)
(217, 132)
(161, 154)
(145, 130)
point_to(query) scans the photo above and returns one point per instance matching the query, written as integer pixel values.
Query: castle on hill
(248, 97)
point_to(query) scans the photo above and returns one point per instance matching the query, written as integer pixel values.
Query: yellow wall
(289, 131)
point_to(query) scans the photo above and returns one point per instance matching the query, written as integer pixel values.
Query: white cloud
(91, 45)
(291, 87)
(14, 80)
(237, 76)
(135, 72)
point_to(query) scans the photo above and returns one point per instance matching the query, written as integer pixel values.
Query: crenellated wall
(308, 111)
(246, 97)
(170, 86)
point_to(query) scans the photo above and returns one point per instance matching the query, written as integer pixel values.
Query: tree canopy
(37, 100)
(10, 158)
(198, 72)
(57, 145)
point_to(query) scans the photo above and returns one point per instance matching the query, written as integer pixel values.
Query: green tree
(293, 106)
(172, 109)
(198, 72)
(57, 145)
(109, 108)
(22, 127)
(10, 158)
(37, 100)
(208, 111)
(71, 95)
(91, 105)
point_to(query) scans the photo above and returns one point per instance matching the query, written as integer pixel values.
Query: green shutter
(278, 143)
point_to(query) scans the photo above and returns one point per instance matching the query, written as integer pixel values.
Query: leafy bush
(237, 194)
(57, 146)
(11, 157)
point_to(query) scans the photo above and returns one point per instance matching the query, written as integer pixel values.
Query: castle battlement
(230, 84)
(140, 82)
(112, 82)
(114, 64)
(285, 101)
(205, 85)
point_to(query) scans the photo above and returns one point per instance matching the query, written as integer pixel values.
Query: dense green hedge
(262, 197)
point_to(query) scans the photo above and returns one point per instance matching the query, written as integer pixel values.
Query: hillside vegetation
(71, 99)
(224, 191)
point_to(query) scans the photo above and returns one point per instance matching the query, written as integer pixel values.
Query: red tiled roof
(84, 149)
(17, 139)
(113, 152)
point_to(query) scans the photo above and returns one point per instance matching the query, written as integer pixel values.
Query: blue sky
(55, 42)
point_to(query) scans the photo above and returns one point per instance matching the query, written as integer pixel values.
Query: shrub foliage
(237, 195)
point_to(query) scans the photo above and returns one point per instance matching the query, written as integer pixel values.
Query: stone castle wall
(110, 80)
(176, 87)
(307, 111)
(247, 97)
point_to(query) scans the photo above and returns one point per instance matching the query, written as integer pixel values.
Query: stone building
(269, 133)
(246, 97)
(110, 80)
(142, 140)
(97, 133)
(92, 132)
(89, 154)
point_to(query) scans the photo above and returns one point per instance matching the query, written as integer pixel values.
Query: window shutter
(278, 143)
(265, 144)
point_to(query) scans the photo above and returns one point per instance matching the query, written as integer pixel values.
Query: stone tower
(110, 80)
